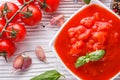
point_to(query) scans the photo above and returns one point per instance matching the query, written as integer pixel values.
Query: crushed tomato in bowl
(90, 35)
(92, 28)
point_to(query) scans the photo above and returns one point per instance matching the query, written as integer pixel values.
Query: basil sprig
(92, 56)
(48, 75)
(87, 1)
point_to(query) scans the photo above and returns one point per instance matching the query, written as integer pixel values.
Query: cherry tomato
(31, 15)
(22, 1)
(7, 48)
(49, 5)
(2, 24)
(16, 32)
(11, 9)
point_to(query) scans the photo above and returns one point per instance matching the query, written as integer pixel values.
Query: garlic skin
(40, 53)
(22, 62)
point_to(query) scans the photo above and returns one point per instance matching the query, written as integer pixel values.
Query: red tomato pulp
(109, 37)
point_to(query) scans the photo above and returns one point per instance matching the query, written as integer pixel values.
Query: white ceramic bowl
(55, 37)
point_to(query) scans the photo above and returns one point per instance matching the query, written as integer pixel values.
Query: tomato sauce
(103, 69)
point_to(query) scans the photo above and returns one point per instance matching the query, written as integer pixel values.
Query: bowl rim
(52, 42)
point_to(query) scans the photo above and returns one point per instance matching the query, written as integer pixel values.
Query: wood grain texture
(41, 36)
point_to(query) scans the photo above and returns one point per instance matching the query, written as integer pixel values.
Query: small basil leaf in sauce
(81, 61)
(92, 56)
(48, 75)
(87, 1)
(97, 55)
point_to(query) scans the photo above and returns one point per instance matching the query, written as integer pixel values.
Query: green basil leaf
(87, 1)
(97, 55)
(48, 75)
(81, 61)
(92, 56)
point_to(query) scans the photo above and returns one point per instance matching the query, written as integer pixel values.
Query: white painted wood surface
(41, 36)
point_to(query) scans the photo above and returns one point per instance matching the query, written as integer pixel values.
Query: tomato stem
(9, 20)
(5, 11)
(27, 14)
(4, 54)
(44, 5)
(13, 33)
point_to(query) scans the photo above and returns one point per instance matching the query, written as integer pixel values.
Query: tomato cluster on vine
(11, 31)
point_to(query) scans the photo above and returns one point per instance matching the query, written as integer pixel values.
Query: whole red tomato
(31, 15)
(49, 5)
(7, 48)
(16, 32)
(22, 1)
(11, 8)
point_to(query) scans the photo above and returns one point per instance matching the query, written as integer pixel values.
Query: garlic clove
(27, 62)
(22, 62)
(18, 62)
(56, 19)
(40, 53)
(61, 22)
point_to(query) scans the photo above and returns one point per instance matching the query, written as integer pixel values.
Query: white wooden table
(41, 36)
